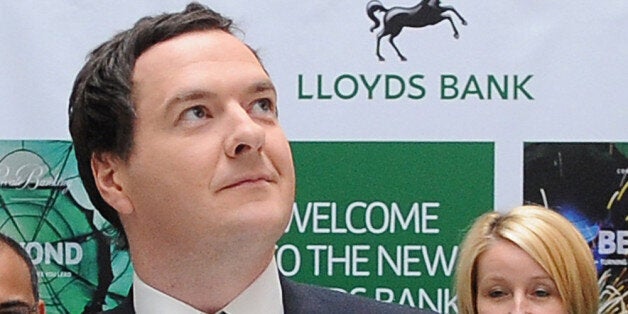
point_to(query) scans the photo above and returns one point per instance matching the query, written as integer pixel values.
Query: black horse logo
(427, 12)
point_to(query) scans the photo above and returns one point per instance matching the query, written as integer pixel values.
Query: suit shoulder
(304, 298)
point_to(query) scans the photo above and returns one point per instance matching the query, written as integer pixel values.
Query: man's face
(15, 282)
(210, 163)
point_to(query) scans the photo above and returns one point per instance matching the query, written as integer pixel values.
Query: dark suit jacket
(300, 298)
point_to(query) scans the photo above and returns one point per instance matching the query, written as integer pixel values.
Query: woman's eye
(195, 113)
(496, 294)
(541, 293)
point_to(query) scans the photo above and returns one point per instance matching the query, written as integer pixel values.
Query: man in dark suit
(308, 299)
(178, 144)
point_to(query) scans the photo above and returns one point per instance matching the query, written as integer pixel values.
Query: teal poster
(80, 268)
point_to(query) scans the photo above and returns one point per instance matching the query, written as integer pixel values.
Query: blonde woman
(530, 260)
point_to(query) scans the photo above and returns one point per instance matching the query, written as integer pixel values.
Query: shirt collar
(262, 296)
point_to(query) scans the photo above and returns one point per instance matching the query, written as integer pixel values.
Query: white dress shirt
(262, 296)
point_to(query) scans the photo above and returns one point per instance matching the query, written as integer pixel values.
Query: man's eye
(195, 113)
(263, 105)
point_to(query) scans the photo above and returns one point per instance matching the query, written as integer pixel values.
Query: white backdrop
(577, 52)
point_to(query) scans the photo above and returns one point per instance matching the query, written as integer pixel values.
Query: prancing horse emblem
(427, 12)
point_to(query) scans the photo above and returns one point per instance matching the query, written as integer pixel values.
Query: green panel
(407, 205)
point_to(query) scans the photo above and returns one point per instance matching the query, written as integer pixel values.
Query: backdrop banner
(407, 118)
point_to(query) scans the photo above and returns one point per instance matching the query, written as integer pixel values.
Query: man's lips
(247, 180)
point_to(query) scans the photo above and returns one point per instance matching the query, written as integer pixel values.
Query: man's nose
(245, 135)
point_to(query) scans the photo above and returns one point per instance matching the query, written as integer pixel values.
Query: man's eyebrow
(195, 94)
(261, 86)
(13, 303)
(189, 95)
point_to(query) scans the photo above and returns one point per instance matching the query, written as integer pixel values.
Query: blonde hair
(549, 238)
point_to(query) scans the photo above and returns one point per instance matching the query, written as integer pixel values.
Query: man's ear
(106, 169)
(41, 307)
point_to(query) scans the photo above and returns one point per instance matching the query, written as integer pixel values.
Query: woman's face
(510, 281)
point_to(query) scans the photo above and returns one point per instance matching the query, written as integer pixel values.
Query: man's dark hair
(17, 248)
(101, 111)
